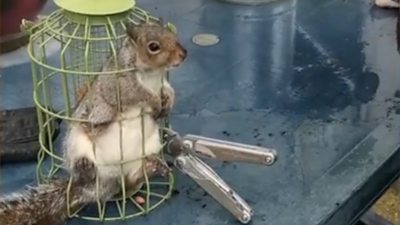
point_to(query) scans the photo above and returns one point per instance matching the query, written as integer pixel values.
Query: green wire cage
(86, 34)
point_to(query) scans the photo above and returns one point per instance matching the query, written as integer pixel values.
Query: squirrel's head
(157, 46)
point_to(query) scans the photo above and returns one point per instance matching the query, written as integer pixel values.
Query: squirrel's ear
(131, 30)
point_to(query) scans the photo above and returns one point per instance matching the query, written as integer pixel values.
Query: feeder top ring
(96, 7)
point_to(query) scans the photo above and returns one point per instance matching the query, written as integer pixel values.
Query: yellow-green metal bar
(38, 112)
(44, 24)
(46, 96)
(93, 22)
(110, 33)
(137, 204)
(171, 181)
(143, 160)
(53, 35)
(67, 101)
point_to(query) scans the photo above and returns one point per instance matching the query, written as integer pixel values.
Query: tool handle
(206, 178)
(230, 151)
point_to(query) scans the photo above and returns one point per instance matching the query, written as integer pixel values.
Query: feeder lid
(95, 7)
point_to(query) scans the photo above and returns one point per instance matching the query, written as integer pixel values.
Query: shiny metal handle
(230, 151)
(205, 177)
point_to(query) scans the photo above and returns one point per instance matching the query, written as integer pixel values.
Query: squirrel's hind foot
(85, 170)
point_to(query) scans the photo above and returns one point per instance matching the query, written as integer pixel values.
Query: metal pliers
(186, 152)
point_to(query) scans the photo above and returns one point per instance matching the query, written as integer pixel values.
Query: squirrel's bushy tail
(45, 204)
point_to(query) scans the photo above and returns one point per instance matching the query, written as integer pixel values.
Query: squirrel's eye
(154, 47)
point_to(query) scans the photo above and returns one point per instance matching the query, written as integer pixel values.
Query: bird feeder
(86, 34)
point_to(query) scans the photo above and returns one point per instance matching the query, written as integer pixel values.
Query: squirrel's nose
(183, 53)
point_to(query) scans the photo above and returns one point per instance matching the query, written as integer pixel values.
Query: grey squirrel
(93, 150)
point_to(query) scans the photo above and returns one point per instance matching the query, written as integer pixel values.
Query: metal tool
(186, 152)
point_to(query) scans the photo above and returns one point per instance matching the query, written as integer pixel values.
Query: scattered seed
(140, 200)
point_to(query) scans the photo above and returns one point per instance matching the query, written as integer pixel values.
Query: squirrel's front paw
(167, 101)
(156, 107)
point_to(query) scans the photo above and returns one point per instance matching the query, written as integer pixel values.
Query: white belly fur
(108, 145)
(108, 154)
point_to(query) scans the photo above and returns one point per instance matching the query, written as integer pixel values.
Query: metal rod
(206, 178)
(230, 151)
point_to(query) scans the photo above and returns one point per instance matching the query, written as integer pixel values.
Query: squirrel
(116, 121)
(112, 130)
